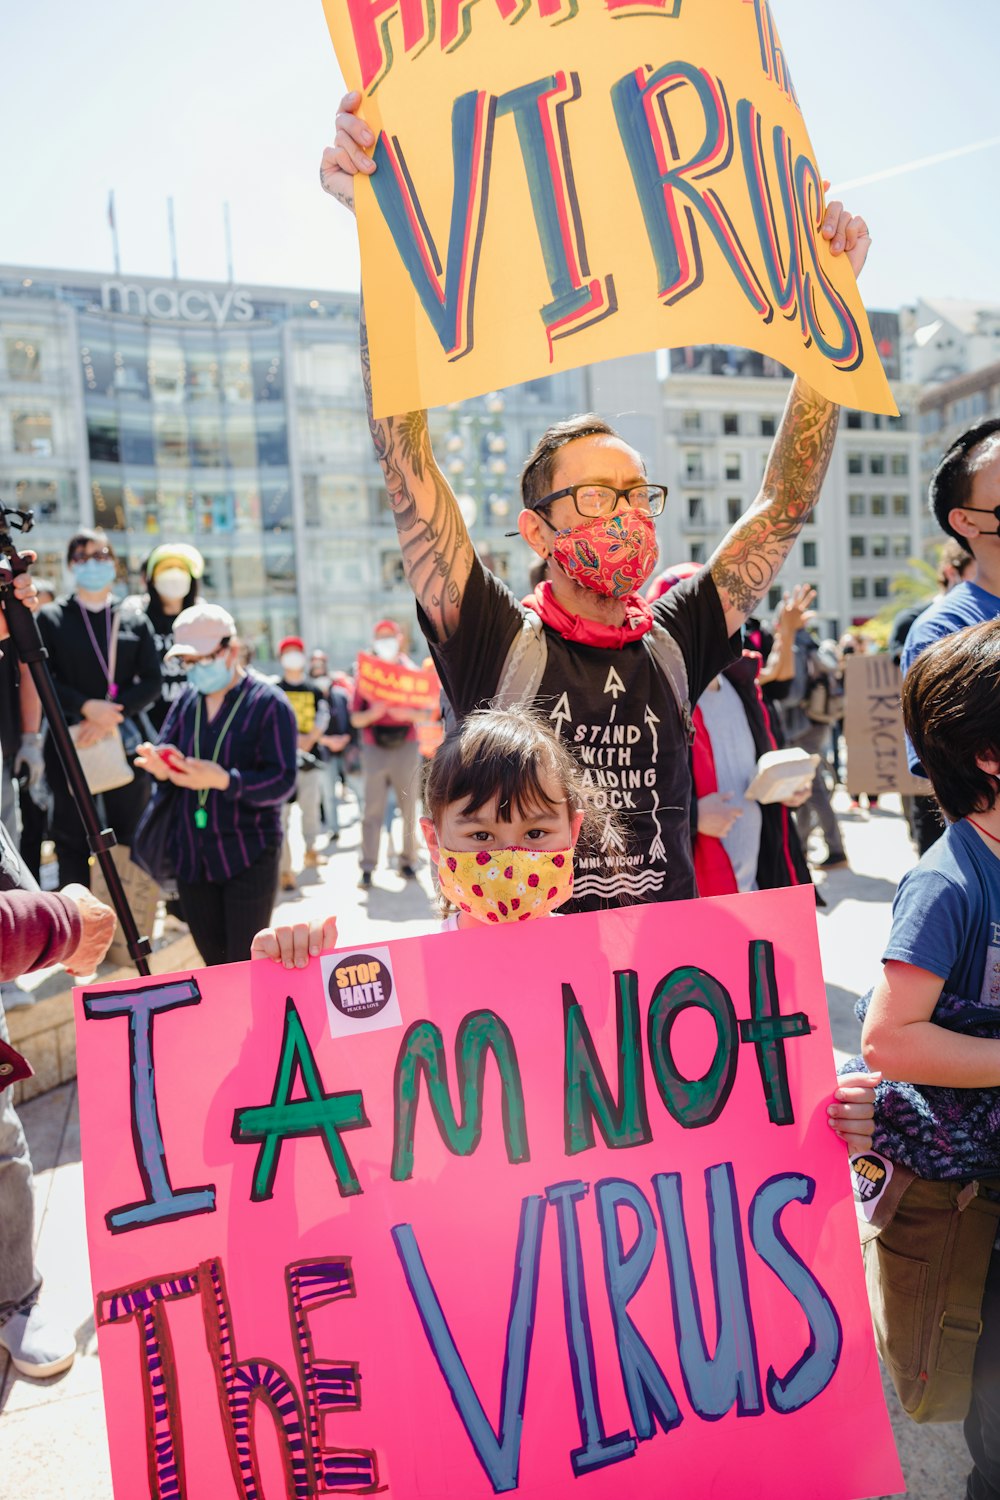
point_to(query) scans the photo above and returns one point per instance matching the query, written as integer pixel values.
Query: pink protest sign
(550, 1210)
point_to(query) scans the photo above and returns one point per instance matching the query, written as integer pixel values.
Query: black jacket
(76, 671)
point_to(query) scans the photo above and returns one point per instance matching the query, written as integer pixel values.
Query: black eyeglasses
(81, 555)
(602, 499)
(198, 661)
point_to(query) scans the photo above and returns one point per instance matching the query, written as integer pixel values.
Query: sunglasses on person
(95, 554)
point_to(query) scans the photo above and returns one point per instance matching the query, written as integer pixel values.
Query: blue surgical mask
(210, 676)
(95, 574)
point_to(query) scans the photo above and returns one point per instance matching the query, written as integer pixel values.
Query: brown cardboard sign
(873, 729)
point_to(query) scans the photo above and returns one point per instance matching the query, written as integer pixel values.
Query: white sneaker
(37, 1347)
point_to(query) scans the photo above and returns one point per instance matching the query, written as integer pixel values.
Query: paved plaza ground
(53, 1443)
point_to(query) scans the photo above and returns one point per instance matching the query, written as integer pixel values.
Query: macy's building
(233, 417)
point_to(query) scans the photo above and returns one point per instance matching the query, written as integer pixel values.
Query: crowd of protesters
(734, 725)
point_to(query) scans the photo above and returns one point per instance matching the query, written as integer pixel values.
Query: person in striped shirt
(227, 752)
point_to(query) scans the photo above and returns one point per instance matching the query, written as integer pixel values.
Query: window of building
(214, 506)
(247, 505)
(691, 421)
(859, 588)
(237, 371)
(32, 432)
(697, 550)
(901, 505)
(393, 572)
(900, 463)
(855, 463)
(97, 357)
(734, 509)
(809, 555)
(102, 438)
(876, 463)
(24, 360)
(206, 442)
(241, 438)
(768, 426)
(202, 370)
(276, 505)
(326, 369)
(167, 374)
(141, 508)
(131, 364)
(136, 435)
(857, 546)
(856, 505)
(879, 505)
(272, 439)
(696, 508)
(901, 546)
(50, 499)
(170, 441)
(268, 369)
(248, 576)
(732, 468)
(879, 546)
(109, 505)
(693, 466)
(880, 588)
(854, 419)
(730, 424)
(773, 598)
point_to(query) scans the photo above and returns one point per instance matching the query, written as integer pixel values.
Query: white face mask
(172, 583)
(293, 661)
(387, 647)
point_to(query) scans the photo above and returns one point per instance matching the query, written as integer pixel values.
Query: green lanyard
(201, 811)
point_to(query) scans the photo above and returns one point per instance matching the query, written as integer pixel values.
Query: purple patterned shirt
(259, 752)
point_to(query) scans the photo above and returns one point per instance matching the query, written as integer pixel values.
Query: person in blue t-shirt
(965, 500)
(932, 1026)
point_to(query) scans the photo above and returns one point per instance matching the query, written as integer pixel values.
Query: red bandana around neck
(638, 620)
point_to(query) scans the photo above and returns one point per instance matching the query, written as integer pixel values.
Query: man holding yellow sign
(615, 675)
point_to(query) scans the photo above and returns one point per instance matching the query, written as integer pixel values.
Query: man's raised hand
(847, 234)
(348, 155)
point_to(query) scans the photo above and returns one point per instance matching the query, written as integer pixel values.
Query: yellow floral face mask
(506, 885)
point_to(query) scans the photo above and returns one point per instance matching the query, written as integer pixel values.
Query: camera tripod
(27, 643)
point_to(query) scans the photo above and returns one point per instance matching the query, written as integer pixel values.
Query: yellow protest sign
(559, 183)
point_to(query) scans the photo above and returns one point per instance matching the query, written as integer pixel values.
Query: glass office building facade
(233, 418)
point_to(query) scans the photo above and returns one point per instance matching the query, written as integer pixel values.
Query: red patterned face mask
(612, 555)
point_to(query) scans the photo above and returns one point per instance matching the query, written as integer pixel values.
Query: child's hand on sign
(348, 155)
(851, 1111)
(295, 944)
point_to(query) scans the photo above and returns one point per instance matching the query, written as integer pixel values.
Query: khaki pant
(397, 767)
(309, 796)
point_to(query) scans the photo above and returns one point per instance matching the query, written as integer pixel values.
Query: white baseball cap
(200, 630)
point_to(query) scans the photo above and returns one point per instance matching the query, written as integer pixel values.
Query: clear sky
(210, 100)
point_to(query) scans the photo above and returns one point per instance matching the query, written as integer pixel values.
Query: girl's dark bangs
(515, 784)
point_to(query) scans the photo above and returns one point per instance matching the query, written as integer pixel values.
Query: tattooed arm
(436, 546)
(437, 550)
(747, 562)
(751, 556)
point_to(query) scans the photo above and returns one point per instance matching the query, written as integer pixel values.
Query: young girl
(506, 808)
